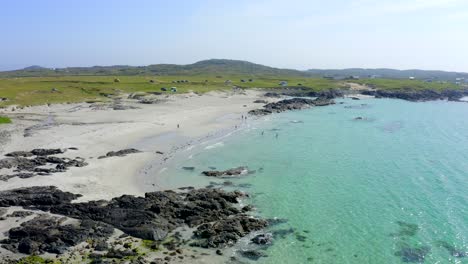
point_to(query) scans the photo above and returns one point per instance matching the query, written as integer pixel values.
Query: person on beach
(178, 126)
(263, 132)
(276, 135)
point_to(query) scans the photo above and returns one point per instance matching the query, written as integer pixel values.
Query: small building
(283, 83)
(412, 78)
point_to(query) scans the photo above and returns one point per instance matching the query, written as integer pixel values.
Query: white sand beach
(95, 129)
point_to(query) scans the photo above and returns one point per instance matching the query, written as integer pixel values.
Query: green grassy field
(4, 120)
(41, 90)
(406, 84)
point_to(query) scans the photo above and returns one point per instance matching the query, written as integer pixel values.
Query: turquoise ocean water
(390, 188)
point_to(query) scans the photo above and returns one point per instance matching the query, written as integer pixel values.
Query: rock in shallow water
(230, 172)
(262, 239)
(226, 232)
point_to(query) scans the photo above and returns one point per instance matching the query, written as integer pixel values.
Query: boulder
(291, 104)
(230, 172)
(120, 153)
(262, 239)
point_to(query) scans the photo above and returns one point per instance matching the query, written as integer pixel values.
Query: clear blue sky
(301, 34)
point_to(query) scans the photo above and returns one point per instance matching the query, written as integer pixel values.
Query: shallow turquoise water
(392, 188)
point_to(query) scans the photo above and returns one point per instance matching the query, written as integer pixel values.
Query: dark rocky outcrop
(226, 232)
(30, 163)
(272, 94)
(19, 154)
(291, 104)
(47, 152)
(36, 197)
(230, 172)
(47, 234)
(418, 95)
(20, 214)
(262, 239)
(305, 92)
(120, 153)
(150, 217)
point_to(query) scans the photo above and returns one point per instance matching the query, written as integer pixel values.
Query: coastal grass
(5, 120)
(406, 84)
(27, 91)
(37, 260)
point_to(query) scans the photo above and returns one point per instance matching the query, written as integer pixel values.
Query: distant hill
(228, 68)
(34, 67)
(206, 67)
(390, 73)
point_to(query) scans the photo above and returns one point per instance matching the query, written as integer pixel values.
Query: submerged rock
(413, 254)
(253, 254)
(458, 253)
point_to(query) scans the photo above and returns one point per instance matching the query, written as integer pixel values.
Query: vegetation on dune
(399, 84)
(37, 260)
(4, 120)
(94, 84)
(41, 90)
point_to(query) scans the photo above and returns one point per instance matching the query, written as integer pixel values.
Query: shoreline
(151, 129)
(131, 169)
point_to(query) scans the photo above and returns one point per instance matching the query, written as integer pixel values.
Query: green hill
(207, 68)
